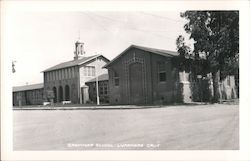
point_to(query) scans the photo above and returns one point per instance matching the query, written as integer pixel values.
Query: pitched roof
(102, 77)
(27, 87)
(74, 62)
(166, 53)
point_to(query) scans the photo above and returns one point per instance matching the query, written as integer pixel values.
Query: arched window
(67, 93)
(55, 94)
(60, 94)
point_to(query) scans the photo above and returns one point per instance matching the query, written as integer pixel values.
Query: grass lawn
(200, 127)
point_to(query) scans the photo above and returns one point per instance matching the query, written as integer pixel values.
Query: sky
(37, 41)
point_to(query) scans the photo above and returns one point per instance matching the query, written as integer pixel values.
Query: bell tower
(79, 50)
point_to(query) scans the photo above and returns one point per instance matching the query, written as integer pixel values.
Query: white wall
(98, 64)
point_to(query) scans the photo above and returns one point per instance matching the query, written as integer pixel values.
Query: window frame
(161, 71)
(105, 90)
(116, 79)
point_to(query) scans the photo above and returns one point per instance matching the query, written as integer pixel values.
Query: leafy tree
(216, 35)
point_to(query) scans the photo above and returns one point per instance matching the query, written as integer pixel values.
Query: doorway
(60, 94)
(136, 84)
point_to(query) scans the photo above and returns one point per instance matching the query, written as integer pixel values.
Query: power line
(162, 17)
(111, 19)
(131, 28)
(101, 25)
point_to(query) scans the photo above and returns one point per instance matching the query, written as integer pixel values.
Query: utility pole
(97, 86)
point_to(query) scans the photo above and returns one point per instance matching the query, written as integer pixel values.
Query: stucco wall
(99, 70)
(228, 88)
(201, 90)
(98, 64)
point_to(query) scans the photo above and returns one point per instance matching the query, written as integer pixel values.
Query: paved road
(201, 127)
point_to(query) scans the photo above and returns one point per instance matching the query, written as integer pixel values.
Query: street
(183, 127)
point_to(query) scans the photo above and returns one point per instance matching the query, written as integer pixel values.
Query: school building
(139, 75)
(142, 75)
(66, 81)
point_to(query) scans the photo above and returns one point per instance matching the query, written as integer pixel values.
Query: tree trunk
(216, 86)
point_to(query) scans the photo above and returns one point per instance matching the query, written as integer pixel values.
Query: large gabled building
(139, 75)
(67, 80)
(142, 75)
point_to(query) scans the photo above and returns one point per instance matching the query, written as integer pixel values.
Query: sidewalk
(106, 106)
(97, 107)
(91, 107)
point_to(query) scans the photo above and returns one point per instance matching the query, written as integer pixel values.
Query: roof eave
(138, 47)
(118, 56)
(96, 56)
(57, 68)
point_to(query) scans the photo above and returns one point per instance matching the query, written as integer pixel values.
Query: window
(106, 90)
(45, 77)
(88, 71)
(73, 72)
(162, 72)
(65, 73)
(62, 73)
(52, 75)
(93, 71)
(101, 90)
(69, 73)
(162, 76)
(116, 79)
(49, 76)
(57, 75)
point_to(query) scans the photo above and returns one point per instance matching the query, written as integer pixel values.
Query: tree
(215, 34)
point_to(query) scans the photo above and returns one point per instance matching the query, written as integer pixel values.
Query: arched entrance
(73, 94)
(60, 94)
(55, 94)
(67, 93)
(136, 85)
